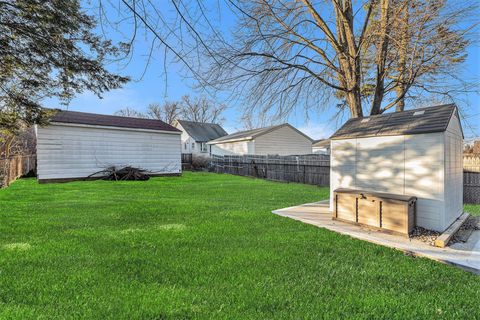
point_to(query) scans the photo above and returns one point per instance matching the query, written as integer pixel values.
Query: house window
(193, 145)
(185, 145)
(203, 147)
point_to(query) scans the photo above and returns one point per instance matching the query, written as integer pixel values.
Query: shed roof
(322, 143)
(202, 132)
(254, 133)
(424, 120)
(94, 119)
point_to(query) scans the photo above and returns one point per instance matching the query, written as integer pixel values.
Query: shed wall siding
(76, 152)
(453, 171)
(424, 178)
(283, 141)
(410, 165)
(342, 165)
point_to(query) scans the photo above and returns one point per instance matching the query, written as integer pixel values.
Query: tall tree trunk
(349, 57)
(355, 104)
(400, 91)
(381, 58)
(402, 57)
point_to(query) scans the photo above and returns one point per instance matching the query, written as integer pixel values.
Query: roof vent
(418, 113)
(365, 120)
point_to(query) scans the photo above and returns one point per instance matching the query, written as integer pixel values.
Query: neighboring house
(75, 145)
(321, 146)
(195, 135)
(275, 140)
(416, 153)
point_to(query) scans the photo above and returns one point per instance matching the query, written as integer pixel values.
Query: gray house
(195, 135)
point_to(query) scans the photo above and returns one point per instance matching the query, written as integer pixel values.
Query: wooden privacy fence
(308, 169)
(14, 167)
(471, 178)
(471, 162)
(471, 187)
(187, 159)
(315, 169)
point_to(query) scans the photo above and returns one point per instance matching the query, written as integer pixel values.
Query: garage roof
(424, 120)
(254, 133)
(202, 132)
(94, 119)
(322, 143)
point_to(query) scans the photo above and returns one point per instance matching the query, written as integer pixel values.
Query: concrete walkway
(463, 255)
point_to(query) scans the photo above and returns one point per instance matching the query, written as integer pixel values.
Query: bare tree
(202, 109)
(198, 109)
(371, 55)
(130, 112)
(168, 112)
(420, 50)
(289, 53)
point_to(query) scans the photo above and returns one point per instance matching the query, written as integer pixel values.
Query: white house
(195, 135)
(75, 145)
(416, 152)
(279, 140)
(321, 146)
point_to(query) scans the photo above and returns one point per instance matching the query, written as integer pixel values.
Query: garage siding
(232, 148)
(283, 141)
(65, 151)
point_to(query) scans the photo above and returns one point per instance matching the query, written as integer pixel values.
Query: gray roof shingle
(202, 132)
(94, 119)
(426, 120)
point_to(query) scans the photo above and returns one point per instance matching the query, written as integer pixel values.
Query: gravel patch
(425, 235)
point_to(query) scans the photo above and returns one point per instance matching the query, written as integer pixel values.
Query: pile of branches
(126, 173)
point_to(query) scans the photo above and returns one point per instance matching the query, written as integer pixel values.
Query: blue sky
(156, 86)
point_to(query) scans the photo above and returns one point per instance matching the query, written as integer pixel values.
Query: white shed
(416, 152)
(282, 140)
(75, 145)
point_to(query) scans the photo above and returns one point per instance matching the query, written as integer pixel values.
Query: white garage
(416, 153)
(282, 140)
(76, 144)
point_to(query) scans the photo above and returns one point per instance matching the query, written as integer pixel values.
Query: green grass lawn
(203, 246)
(473, 209)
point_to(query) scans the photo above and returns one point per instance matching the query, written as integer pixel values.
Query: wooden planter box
(385, 211)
